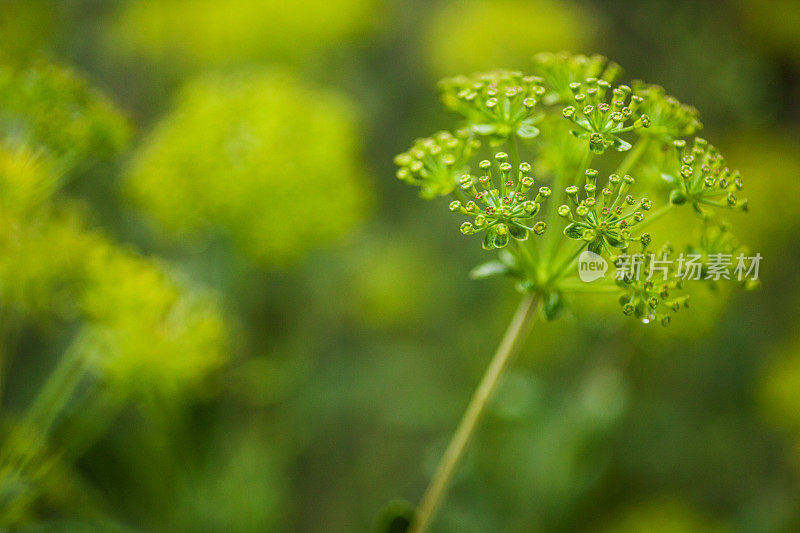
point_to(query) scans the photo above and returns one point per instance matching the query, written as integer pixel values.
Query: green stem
(57, 391)
(513, 155)
(575, 285)
(658, 213)
(588, 155)
(633, 156)
(459, 195)
(564, 265)
(526, 259)
(35, 426)
(437, 489)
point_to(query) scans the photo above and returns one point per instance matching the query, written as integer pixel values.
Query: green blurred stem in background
(516, 333)
(639, 148)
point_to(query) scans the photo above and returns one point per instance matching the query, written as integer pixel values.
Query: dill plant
(546, 166)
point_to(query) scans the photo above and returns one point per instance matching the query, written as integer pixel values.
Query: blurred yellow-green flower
(146, 332)
(487, 34)
(50, 107)
(260, 157)
(213, 32)
(41, 251)
(26, 181)
(42, 263)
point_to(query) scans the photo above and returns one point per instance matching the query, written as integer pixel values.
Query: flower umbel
(586, 212)
(606, 222)
(704, 178)
(496, 104)
(648, 290)
(434, 163)
(602, 122)
(669, 119)
(563, 69)
(503, 211)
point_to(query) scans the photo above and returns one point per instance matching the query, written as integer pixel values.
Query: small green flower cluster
(505, 211)
(496, 105)
(603, 122)
(568, 121)
(652, 298)
(432, 162)
(561, 70)
(151, 336)
(703, 178)
(608, 222)
(669, 119)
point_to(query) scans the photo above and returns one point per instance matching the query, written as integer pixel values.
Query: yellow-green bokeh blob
(260, 157)
(203, 32)
(148, 334)
(475, 35)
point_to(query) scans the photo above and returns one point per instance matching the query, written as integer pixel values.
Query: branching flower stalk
(550, 165)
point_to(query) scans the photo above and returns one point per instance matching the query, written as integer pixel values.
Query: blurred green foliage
(217, 376)
(493, 34)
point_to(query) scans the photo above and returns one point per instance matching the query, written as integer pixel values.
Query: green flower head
(647, 296)
(148, 334)
(601, 114)
(434, 163)
(51, 108)
(700, 176)
(496, 104)
(563, 123)
(669, 119)
(605, 223)
(561, 70)
(504, 208)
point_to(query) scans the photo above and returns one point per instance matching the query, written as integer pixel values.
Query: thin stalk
(437, 489)
(658, 213)
(513, 155)
(526, 258)
(585, 162)
(57, 391)
(633, 156)
(566, 263)
(55, 394)
(576, 285)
